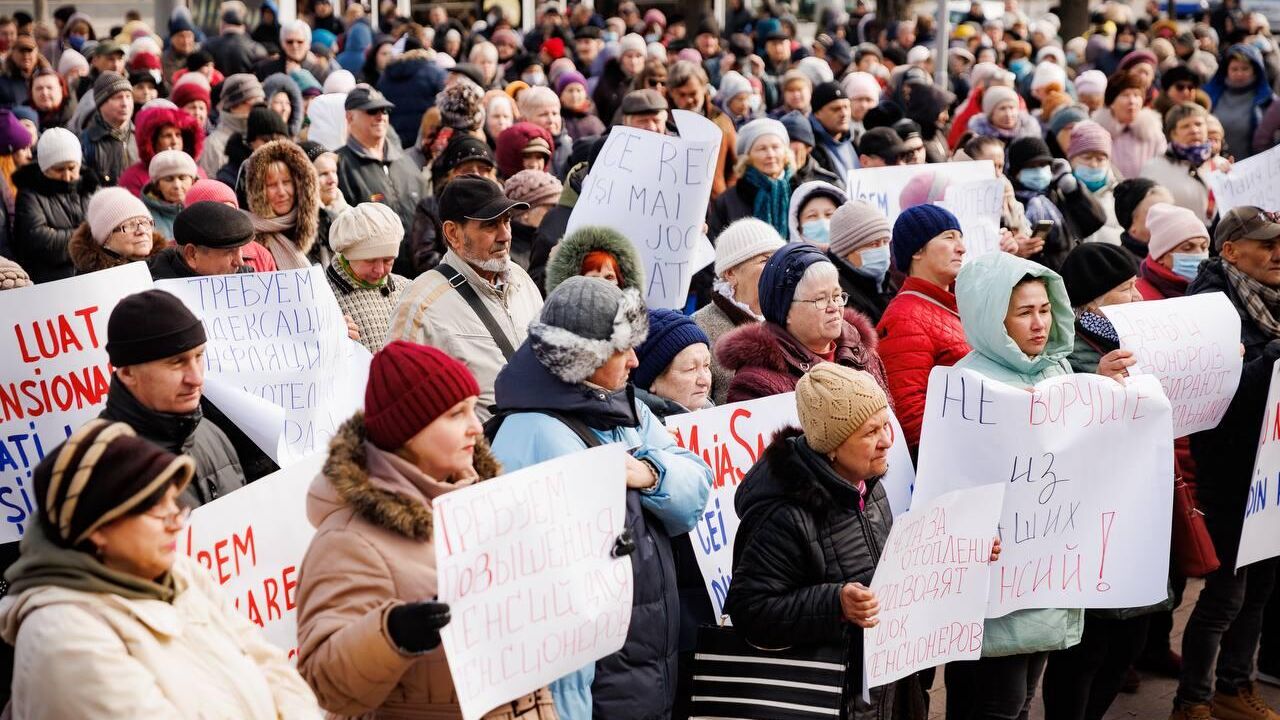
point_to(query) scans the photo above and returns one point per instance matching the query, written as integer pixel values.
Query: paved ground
(1152, 702)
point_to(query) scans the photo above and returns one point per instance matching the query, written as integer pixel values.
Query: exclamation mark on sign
(1107, 519)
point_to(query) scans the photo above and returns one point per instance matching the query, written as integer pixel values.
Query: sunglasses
(377, 111)
(657, 82)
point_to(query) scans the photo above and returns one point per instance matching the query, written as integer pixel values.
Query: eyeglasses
(177, 518)
(132, 226)
(657, 82)
(825, 301)
(1183, 86)
(377, 111)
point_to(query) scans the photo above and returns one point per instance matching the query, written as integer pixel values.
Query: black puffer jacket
(802, 537)
(46, 212)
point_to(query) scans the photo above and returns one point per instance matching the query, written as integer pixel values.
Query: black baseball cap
(881, 142)
(364, 97)
(474, 198)
(1246, 223)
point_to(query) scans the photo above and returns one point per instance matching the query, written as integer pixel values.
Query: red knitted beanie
(411, 385)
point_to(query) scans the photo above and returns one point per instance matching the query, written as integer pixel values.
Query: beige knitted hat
(833, 401)
(12, 276)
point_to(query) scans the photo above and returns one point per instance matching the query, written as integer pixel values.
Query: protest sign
(1192, 345)
(654, 189)
(977, 205)
(730, 439)
(1088, 467)
(252, 542)
(932, 582)
(54, 374)
(881, 187)
(1251, 181)
(277, 339)
(1260, 534)
(525, 563)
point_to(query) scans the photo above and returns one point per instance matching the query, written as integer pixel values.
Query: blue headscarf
(780, 277)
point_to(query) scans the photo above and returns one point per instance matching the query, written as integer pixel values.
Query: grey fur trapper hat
(584, 322)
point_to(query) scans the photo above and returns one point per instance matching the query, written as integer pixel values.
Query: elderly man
(210, 239)
(1228, 615)
(477, 304)
(541, 106)
(107, 56)
(645, 110)
(484, 55)
(107, 141)
(233, 50)
(587, 44)
(373, 169)
(831, 118)
(295, 48)
(365, 242)
(240, 93)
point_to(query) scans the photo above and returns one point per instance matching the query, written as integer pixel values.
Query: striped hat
(103, 472)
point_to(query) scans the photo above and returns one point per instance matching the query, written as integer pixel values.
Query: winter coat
(1240, 110)
(424, 240)
(97, 655)
(214, 154)
(767, 360)
(1224, 455)
(88, 255)
(357, 40)
(837, 157)
(1134, 144)
(920, 330)
(411, 81)
(612, 86)
(306, 193)
(234, 52)
(370, 308)
(163, 212)
(805, 532)
(554, 224)
(581, 123)
(1075, 216)
(373, 551)
(811, 171)
(637, 682)
(169, 265)
(279, 82)
(865, 294)
(983, 289)
(430, 312)
(1186, 184)
(393, 181)
(147, 124)
(716, 319)
(218, 470)
(104, 152)
(46, 214)
(734, 204)
(566, 261)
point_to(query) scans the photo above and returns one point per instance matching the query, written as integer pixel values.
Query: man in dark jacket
(801, 134)
(411, 83)
(107, 141)
(1227, 618)
(209, 238)
(831, 122)
(157, 348)
(295, 44)
(234, 51)
(371, 169)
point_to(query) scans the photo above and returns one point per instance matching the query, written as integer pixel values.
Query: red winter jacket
(919, 330)
(766, 360)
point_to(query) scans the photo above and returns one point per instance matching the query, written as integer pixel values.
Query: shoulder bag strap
(459, 282)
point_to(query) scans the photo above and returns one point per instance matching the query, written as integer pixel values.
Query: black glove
(415, 627)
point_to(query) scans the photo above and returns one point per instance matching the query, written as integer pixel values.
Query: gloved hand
(415, 627)
(1062, 176)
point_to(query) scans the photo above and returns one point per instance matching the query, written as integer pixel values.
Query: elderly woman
(158, 129)
(806, 322)
(172, 174)
(368, 624)
(859, 248)
(1136, 136)
(673, 374)
(766, 179)
(523, 146)
(499, 114)
(1089, 150)
(117, 229)
(1002, 116)
(52, 196)
(541, 191)
(332, 203)
(741, 253)
(596, 251)
(1183, 167)
(365, 242)
(579, 115)
(812, 205)
(51, 98)
(102, 599)
(284, 202)
(1179, 245)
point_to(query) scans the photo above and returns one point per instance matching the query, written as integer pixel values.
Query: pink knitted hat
(1170, 226)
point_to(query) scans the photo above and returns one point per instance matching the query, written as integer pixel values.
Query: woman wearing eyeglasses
(109, 619)
(118, 229)
(806, 322)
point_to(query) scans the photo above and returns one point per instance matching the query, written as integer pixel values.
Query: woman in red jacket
(921, 327)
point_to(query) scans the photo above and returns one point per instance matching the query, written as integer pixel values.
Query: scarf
(355, 280)
(772, 198)
(1168, 284)
(43, 563)
(272, 234)
(1099, 326)
(1261, 302)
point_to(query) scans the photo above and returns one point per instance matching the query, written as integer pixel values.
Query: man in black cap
(233, 50)
(476, 305)
(157, 348)
(588, 41)
(800, 133)
(645, 110)
(373, 169)
(879, 147)
(210, 237)
(831, 118)
(106, 56)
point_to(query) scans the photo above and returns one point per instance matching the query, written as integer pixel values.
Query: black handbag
(734, 679)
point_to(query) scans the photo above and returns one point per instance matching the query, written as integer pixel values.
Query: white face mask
(753, 102)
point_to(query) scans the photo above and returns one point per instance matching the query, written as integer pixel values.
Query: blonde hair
(744, 161)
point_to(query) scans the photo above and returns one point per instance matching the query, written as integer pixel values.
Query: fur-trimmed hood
(150, 121)
(345, 481)
(88, 256)
(306, 193)
(567, 256)
(767, 346)
(279, 82)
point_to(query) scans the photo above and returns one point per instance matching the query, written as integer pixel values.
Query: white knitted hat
(108, 208)
(631, 41)
(168, 163)
(743, 240)
(56, 146)
(751, 132)
(367, 231)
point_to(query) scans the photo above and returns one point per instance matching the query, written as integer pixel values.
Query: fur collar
(88, 256)
(568, 254)
(791, 472)
(758, 345)
(305, 187)
(410, 55)
(347, 471)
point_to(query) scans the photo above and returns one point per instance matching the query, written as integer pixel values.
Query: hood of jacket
(150, 121)
(802, 194)
(346, 481)
(983, 289)
(792, 472)
(279, 82)
(1146, 126)
(568, 254)
(405, 65)
(306, 191)
(87, 255)
(358, 38)
(28, 178)
(767, 346)
(525, 385)
(1217, 85)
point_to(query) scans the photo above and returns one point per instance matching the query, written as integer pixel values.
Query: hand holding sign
(859, 605)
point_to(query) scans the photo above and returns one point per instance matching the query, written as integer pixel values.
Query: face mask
(1019, 66)
(1187, 264)
(817, 232)
(1123, 48)
(1036, 179)
(753, 102)
(1261, 44)
(1092, 177)
(1072, 59)
(609, 36)
(534, 79)
(875, 262)
(1195, 154)
(76, 42)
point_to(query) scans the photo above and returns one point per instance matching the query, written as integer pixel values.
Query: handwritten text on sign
(524, 561)
(1252, 181)
(252, 542)
(932, 583)
(1260, 535)
(977, 205)
(1088, 467)
(1192, 345)
(54, 374)
(654, 189)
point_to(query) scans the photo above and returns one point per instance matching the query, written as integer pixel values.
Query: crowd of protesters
(430, 167)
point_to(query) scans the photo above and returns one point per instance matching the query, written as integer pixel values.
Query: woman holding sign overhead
(368, 625)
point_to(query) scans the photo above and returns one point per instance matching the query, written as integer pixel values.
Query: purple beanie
(567, 78)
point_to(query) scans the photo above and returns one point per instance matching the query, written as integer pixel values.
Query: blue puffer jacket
(638, 682)
(411, 81)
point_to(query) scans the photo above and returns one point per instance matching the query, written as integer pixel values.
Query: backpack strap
(458, 282)
(579, 428)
